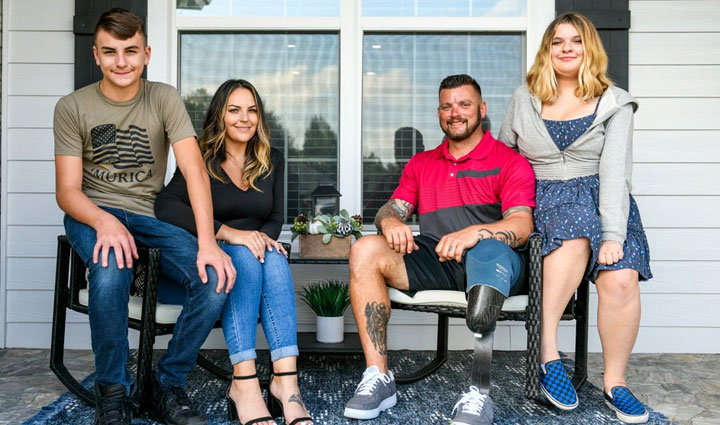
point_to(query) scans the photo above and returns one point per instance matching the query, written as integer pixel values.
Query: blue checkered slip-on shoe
(473, 408)
(556, 385)
(626, 406)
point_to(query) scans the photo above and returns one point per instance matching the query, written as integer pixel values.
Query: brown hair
(592, 76)
(121, 23)
(455, 81)
(212, 140)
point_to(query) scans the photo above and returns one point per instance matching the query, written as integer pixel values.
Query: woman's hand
(271, 243)
(610, 253)
(252, 239)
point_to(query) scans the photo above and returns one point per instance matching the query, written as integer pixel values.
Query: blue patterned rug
(328, 381)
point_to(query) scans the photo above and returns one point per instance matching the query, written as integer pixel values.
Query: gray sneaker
(375, 393)
(474, 408)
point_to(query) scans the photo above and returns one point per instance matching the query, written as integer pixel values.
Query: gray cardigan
(604, 149)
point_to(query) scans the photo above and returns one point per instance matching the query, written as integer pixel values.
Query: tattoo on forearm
(394, 208)
(513, 210)
(506, 236)
(377, 316)
(295, 398)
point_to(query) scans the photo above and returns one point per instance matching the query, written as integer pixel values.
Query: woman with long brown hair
(575, 128)
(247, 185)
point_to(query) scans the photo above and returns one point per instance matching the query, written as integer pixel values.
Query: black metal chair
(526, 308)
(145, 315)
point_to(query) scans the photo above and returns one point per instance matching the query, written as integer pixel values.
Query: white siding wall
(674, 72)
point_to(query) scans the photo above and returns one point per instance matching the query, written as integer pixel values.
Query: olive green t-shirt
(124, 145)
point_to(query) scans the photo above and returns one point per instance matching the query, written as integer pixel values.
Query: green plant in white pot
(328, 298)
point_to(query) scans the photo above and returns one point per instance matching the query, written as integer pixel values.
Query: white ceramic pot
(330, 329)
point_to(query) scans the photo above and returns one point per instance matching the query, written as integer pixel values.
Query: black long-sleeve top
(240, 209)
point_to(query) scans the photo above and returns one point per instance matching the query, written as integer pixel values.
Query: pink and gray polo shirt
(451, 194)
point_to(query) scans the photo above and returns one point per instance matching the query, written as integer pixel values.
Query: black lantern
(325, 200)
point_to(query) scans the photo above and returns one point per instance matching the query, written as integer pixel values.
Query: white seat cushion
(515, 303)
(165, 314)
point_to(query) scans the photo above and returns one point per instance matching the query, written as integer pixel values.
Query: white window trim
(4, 172)
(164, 27)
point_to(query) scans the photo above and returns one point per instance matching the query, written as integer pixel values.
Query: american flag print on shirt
(122, 148)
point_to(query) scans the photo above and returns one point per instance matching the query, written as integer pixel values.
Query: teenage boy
(111, 145)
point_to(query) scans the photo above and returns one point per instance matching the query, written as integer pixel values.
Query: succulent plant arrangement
(340, 225)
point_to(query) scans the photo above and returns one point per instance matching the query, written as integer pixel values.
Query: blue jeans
(265, 288)
(109, 289)
(493, 263)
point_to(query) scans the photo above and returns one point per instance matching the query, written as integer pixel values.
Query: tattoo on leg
(296, 398)
(377, 316)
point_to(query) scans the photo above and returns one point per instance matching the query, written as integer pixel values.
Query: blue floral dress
(569, 209)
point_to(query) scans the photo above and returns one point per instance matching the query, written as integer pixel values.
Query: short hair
(455, 81)
(592, 76)
(121, 23)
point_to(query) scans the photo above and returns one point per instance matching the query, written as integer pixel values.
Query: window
(435, 8)
(401, 75)
(351, 85)
(258, 8)
(296, 75)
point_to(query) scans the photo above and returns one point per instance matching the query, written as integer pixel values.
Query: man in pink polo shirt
(474, 197)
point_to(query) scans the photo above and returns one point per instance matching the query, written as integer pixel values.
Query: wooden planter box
(311, 246)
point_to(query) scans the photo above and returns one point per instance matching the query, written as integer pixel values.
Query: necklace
(237, 163)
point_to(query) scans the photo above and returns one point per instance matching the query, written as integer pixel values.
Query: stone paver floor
(685, 387)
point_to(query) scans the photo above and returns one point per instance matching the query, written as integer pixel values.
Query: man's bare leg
(373, 266)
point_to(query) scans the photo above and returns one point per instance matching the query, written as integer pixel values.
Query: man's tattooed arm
(396, 208)
(510, 211)
(377, 316)
(506, 236)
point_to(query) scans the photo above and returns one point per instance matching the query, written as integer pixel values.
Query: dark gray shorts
(505, 271)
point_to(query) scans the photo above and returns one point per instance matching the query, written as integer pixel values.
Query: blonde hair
(592, 75)
(212, 140)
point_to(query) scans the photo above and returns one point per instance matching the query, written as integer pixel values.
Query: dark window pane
(401, 76)
(297, 77)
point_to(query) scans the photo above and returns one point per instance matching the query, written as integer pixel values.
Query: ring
(452, 248)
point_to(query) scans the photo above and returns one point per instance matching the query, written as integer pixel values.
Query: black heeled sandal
(232, 408)
(276, 406)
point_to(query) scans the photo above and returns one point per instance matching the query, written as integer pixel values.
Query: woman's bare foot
(249, 401)
(285, 388)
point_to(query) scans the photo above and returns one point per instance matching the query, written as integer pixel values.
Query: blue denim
(261, 288)
(109, 293)
(492, 263)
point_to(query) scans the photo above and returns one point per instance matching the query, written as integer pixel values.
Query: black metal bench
(453, 304)
(146, 315)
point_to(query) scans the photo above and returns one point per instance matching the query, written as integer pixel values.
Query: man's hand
(390, 220)
(610, 253)
(452, 245)
(211, 255)
(112, 234)
(399, 236)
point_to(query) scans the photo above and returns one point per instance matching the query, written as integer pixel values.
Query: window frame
(164, 28)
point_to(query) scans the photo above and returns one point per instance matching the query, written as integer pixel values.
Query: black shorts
(426, 272)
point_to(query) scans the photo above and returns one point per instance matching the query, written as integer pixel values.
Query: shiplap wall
(674, 72)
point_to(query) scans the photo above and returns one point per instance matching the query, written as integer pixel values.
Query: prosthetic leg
(484, 306)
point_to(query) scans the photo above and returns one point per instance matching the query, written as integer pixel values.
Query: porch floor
(685, 387)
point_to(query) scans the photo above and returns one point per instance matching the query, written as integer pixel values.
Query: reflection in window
(258, 8)
(297, 78)
(401, 76)
(447, 8)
